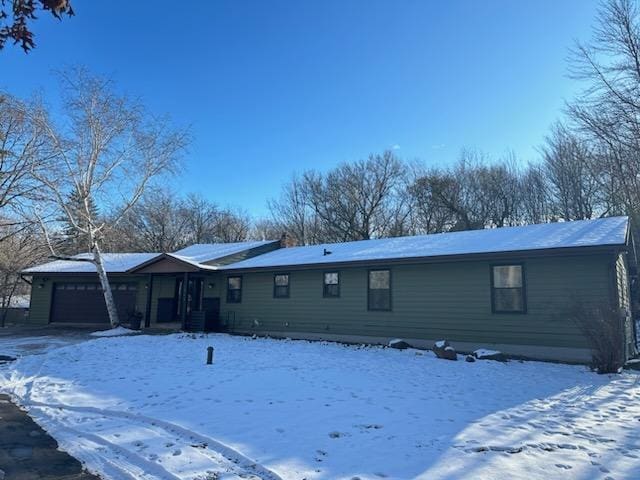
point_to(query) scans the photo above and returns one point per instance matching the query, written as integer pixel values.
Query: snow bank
(114, 332)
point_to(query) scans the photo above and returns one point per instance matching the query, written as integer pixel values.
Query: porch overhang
(167, 263)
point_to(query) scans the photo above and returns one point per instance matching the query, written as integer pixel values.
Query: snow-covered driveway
(147, 407)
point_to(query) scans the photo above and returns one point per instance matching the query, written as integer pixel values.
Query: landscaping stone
(443, 350)
(399, 344)
(470, 358)
(482, 354)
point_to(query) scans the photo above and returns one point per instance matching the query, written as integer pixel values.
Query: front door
(194, 293)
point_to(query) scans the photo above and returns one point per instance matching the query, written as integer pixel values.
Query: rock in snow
(470, 358)
(442, 349)
(483, 354)
(399, 344)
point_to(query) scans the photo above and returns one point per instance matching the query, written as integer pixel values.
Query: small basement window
(281, 285)
(234, 289)
(331, 285)
(379, 295)
(507, 289)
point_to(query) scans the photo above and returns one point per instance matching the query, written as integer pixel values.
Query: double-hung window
(379, 295)
(234, 289)
(508, 289)
(281, 285)
(331, 285)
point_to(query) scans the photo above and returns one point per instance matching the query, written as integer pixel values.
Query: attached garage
(84, 302)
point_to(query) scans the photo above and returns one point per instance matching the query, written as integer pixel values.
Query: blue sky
(273, 87)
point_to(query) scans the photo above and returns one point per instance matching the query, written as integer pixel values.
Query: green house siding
(42, 293)
(40, 305)
(429, 301)
(623, 295)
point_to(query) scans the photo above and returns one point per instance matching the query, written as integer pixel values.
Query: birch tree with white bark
(108, 150)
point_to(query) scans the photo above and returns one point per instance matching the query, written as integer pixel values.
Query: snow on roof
(206, 252)
(113, 263)
(581, 233)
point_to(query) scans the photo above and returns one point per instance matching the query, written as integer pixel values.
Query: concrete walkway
(27, 452)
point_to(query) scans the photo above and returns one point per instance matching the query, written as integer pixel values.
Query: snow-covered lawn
(147, 407)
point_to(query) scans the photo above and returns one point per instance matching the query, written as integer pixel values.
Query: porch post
(183, 300)
(147, 313)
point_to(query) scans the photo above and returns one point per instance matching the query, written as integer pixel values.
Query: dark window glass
(507, 289)
(281, 285)
(331, 284)
(234, 289)
(379, 290)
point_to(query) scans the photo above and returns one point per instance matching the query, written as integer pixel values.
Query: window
(281, 285)
(507, 289)
(379, 297)
(234, 289)
(331, 285)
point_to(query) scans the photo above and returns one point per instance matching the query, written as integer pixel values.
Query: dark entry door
(211, 307)
(84, 302)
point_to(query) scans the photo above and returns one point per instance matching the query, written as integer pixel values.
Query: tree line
(589, 164)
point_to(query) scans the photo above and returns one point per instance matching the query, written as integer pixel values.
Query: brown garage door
(84, 302)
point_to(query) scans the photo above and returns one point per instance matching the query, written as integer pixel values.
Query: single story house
(509, 288)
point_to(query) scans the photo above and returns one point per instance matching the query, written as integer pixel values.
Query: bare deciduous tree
(22, 248)
(22, 148)
(292, 213)
(569, 167)
(162, 221)
(231, 225)
(359, 200)
(470, 195)
(607, 113)
(266, 229)
(108, 150)
(534, 195)
(157, 223)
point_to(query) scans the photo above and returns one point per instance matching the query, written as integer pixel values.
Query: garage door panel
(84, 302)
